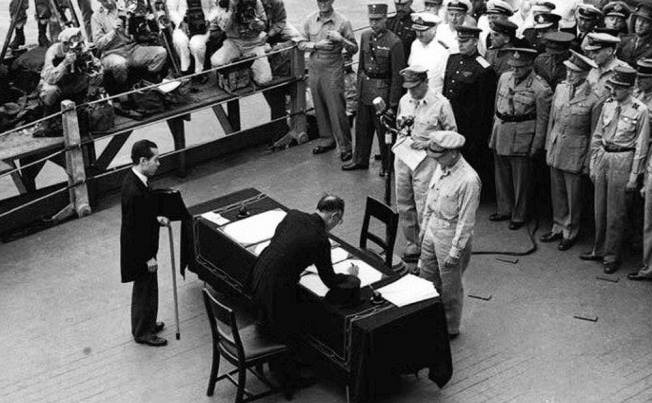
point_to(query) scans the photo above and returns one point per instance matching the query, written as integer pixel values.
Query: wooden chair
(245, 348)
(389, 217)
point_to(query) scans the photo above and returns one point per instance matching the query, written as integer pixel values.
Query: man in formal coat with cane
(139, 236)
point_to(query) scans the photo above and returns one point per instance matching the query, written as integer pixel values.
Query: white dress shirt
(432, 56)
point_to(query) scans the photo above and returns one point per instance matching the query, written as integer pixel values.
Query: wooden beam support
(111, 150)
(233, 109)
(178, 131)
(298, 96)
(75, 166)
(223, 119)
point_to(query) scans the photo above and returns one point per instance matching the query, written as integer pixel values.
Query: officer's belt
(516, 118)
(612, 148)
(377, 76)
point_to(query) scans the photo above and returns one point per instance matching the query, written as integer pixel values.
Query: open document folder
(408, 290)
(367, 275)
(255, 229)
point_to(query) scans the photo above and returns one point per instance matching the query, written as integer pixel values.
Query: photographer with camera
(119, 52)
(190, 35)
(68, 71)
(244, 22)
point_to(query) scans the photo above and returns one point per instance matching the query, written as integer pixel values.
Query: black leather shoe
(566, 244)
(453, 336)
(591, 256)
(499, 217)
(352, 166)
(382, 173)
(610, 268)
(323, 149)
(153, 341)
(550, 237)
(346, 156)
(513, 225)
(378, 157)
(635, 277)
(159, 327)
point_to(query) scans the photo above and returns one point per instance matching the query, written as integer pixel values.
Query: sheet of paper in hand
(255, 229)
(404, 151)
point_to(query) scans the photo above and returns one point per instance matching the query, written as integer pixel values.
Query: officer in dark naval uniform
(549, 64)
(381, 60)
(401, 24)
(470, 86)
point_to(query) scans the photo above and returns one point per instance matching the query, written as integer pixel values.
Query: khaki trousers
(566, 193)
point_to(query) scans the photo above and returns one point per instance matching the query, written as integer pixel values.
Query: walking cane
(174, 280)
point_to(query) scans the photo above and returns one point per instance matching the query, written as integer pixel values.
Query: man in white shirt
(426, 51)
(456, 13)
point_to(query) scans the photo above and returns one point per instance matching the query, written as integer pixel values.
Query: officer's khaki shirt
(628, 129)
(598, 77)
(452, 201)
(433, 112)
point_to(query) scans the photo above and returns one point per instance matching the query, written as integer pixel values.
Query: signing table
(364, 346)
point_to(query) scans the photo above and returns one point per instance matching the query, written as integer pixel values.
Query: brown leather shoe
(352, 166)
(153, 341)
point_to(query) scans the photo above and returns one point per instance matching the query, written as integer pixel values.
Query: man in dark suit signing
(300, 240)
(139, 243)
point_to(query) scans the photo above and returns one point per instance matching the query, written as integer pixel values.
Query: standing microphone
(379, 105)
(381, 111)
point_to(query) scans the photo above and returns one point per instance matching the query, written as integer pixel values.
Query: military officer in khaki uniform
(447, 227)
(601, 47)
(573, 116)
(549, 64)
(618, 155)
(420, 111)
(381, 60)
(644, 94)
(503, 36)
(519, 132)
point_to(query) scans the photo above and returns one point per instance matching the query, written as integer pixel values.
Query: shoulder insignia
(482, 61)
(442, 44)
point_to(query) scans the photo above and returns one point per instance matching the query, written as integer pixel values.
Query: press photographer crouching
(244, 22)
(120, 53)
(68, 71)
(191, 33)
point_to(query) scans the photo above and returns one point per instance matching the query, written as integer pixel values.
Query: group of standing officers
(542, 103)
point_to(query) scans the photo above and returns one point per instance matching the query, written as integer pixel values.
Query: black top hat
(346, 293)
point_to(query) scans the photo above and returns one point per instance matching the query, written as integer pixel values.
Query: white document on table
(338, 254)
(258, 249)
(215, 218)
(404, 151)
(407, 290)
(367, 275)
(255, 229)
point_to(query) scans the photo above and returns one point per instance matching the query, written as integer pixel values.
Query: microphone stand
(390, 137)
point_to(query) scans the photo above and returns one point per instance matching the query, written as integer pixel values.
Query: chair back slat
(223, 323)
(387, 216)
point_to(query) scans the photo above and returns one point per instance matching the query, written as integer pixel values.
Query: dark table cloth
(365, 345)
